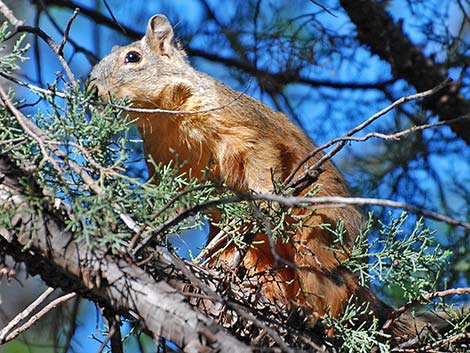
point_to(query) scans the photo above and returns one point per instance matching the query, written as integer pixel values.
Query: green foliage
(9, 58)
(82, 162)
(391, 258)
(80, 157)
(358, 330)
(258, 217)
(411, 261)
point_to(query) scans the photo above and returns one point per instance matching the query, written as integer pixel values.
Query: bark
(377, 30)
(38, 238)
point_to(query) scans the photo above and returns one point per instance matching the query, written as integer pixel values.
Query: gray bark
(38, 238)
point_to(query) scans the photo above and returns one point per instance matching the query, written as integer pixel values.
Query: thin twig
(138, 235)
(340, 144)
(447, 341)
(106, 340)
(313, 203)
(54, 46)
(33, 88)
(24, 314)
(67, 31)
(193, 211)
(422, 299)
(114, 17)
(114, 324)
(92, 58)
(430, 348)
(397, 135)
(217, 241)
(36, 317)
(182, 112)
(5, 11)
(323, 7)
(342, 201)
(12, 140)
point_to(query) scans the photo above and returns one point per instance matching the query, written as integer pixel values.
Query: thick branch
(376, 29)
(63, 262)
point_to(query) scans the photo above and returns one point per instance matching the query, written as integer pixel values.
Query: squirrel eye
(132, 57)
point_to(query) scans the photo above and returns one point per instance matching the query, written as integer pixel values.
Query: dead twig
(35, 318)
(33, 88)
(55, 48)
(399, 134)
(342, 201)
(114, 334)
(313, 203)
(182, 112)
(24, 314)
(43, 7)
(110, 334)
(65, 37)
(5, 11)
(291, 182)
(423, 299)
(431, 348)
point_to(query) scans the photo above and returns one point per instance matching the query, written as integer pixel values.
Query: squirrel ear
(159, 34)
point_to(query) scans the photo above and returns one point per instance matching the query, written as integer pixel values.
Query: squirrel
(246, 142)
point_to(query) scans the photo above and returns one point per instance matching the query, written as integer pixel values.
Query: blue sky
(308, 105)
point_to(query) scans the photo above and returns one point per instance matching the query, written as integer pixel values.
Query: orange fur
(245, 141)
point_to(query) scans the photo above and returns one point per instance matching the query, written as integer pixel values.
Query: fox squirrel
(245, 141)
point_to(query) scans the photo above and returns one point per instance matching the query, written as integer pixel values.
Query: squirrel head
(151, 72)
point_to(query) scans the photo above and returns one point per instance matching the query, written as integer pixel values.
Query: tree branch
(303, 179)
(281, 78)
(24, 314)
(376, 29)
(423, 299)
(36, 317)
(62, 262)
(314, 202)
(8, 14)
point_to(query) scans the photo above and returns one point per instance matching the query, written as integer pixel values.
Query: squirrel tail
(404, 326)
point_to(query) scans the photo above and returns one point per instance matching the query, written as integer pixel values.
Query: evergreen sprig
(358, 330)
(11, 57)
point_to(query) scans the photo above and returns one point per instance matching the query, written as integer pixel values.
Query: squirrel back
(244, 142)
